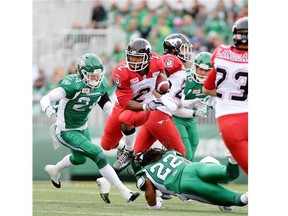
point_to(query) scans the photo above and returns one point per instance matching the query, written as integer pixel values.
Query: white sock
(121, 143)
(64, 163)
(244, 198)
(129, 140)
(109, 173)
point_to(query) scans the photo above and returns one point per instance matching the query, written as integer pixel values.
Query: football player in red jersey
(135, 79)
(160, 125)
(228, 81)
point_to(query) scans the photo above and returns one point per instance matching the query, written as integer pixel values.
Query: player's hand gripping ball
(162, 84)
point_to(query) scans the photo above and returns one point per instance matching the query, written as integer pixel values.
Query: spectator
(99, 15)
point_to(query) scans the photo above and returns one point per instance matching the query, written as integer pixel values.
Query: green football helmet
(136, 162)
(91, 70)
(201, 60)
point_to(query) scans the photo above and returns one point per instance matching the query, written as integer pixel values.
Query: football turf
(81, 198)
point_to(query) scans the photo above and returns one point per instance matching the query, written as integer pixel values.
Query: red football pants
(112, 129)
(234, 132)
(159, 126)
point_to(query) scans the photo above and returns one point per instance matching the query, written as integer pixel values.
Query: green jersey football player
(187, 126)
(170, 173)
(75, 96)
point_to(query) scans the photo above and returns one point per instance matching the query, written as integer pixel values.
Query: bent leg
(112, 130)
(192, 183)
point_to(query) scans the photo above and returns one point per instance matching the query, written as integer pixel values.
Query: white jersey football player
(228, 81)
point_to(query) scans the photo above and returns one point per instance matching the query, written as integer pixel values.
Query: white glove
(170, 105)
(159, 202)
(193, 103)
(202, 112)
(50, 111)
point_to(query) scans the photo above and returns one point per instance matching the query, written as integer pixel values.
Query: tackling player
(170, 173)
(228, 81)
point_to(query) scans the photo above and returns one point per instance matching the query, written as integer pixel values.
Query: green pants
(82, 148)
(188, 130)
(203, 180)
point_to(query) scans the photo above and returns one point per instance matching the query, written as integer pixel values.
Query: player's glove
(202, 112)
(159, 202)
(194, 103)
(50, 111)
(152, 105)
(170, 105)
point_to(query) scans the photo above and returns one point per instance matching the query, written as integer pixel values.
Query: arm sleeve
(184, 113)
(106, 104)
(124, 96)
(53, 96)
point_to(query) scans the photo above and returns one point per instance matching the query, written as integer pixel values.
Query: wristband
(144, 106)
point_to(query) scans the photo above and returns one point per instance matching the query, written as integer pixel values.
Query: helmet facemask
(186, 52)
(136, 66)
(93, 79)
(179, 45)
(241, 37)
(197, 77)
(200, 63)
(240, 32)
(91, 70)
(136, 163)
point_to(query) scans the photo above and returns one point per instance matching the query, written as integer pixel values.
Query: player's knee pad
(132, 118)
(77, 160)
(101, 160)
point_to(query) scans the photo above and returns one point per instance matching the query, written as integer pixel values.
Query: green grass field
(82, 198)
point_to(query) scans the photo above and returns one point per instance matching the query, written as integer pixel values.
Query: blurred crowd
(205, 28)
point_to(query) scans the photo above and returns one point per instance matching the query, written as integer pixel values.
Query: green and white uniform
(77, 100)
(187, 127)
(75, 96)
(195, 180)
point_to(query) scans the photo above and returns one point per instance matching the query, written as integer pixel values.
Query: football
(162, 84)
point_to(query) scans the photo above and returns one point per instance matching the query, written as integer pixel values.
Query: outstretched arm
(153, 201)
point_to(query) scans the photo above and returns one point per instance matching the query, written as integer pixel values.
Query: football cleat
(166, 196)
(123, 161)
(225, 208)
(134, 195)
(230, 157)
(104, 186)
(119, 152)
(54, 175)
